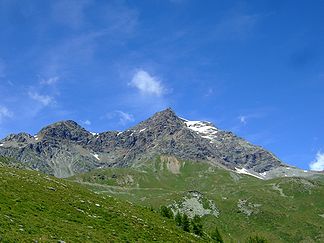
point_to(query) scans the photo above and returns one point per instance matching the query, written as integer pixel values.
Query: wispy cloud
(242, 119)
(146, 83)
(115, 21)
(5, 113)
(122, 117)
(318, 164)
(2, 68)
(49, 81)
(69, 12)
(209, 92)
(44, 100)
(236, 26)
(120, 18)
(86, 122)
(256, 114)
(177, 1)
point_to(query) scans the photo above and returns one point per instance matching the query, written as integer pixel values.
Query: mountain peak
(165, 117)
(167, 112)
(67, 129)
(68, 123)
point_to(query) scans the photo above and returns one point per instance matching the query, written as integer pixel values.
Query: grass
(38, 208)
(283, 209)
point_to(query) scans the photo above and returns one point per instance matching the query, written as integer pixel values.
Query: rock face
(65, 148)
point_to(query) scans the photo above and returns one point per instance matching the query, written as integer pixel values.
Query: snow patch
(246, 172)
(119, 133)
(1, 144)
(142, 130)
(204, 129)
(94, 133)
(183, 119)
(263, 173)
(96, 156)
(36, 137)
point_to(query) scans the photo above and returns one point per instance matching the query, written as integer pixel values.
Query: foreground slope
(65, 148)
(39, 208)
(283, 209)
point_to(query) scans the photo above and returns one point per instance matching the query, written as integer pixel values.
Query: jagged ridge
(65, 148)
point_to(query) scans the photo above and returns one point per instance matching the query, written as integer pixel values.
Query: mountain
(65, 148)
(191, 167)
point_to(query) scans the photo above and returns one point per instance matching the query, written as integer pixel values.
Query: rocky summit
(65, 148)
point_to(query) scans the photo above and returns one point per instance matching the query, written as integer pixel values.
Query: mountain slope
(39, 208)
(281, 209)
(65, 148)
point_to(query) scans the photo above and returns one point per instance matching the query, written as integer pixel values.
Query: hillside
(38, 208)
(283, 209)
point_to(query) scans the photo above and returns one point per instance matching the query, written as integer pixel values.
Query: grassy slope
(34, 206)
(289, 210)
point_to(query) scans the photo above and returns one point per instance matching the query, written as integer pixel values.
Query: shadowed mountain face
(65, 148)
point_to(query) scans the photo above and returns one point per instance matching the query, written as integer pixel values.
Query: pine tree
(166, 212)
(197, 227)
(178, 219)
(216, 236)
(185, 223)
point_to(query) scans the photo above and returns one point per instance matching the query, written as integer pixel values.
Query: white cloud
(5, 113)
(45, 100)
(318, 164)
(146, 83)
(49, 81)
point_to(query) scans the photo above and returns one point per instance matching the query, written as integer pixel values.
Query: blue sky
(253, 67)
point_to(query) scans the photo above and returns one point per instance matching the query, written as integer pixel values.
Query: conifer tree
(185, 223)
(197, 227)
(178, 219)
(166, 212)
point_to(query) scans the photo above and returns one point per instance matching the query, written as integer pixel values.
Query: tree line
(195, 226)
(190, 225)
